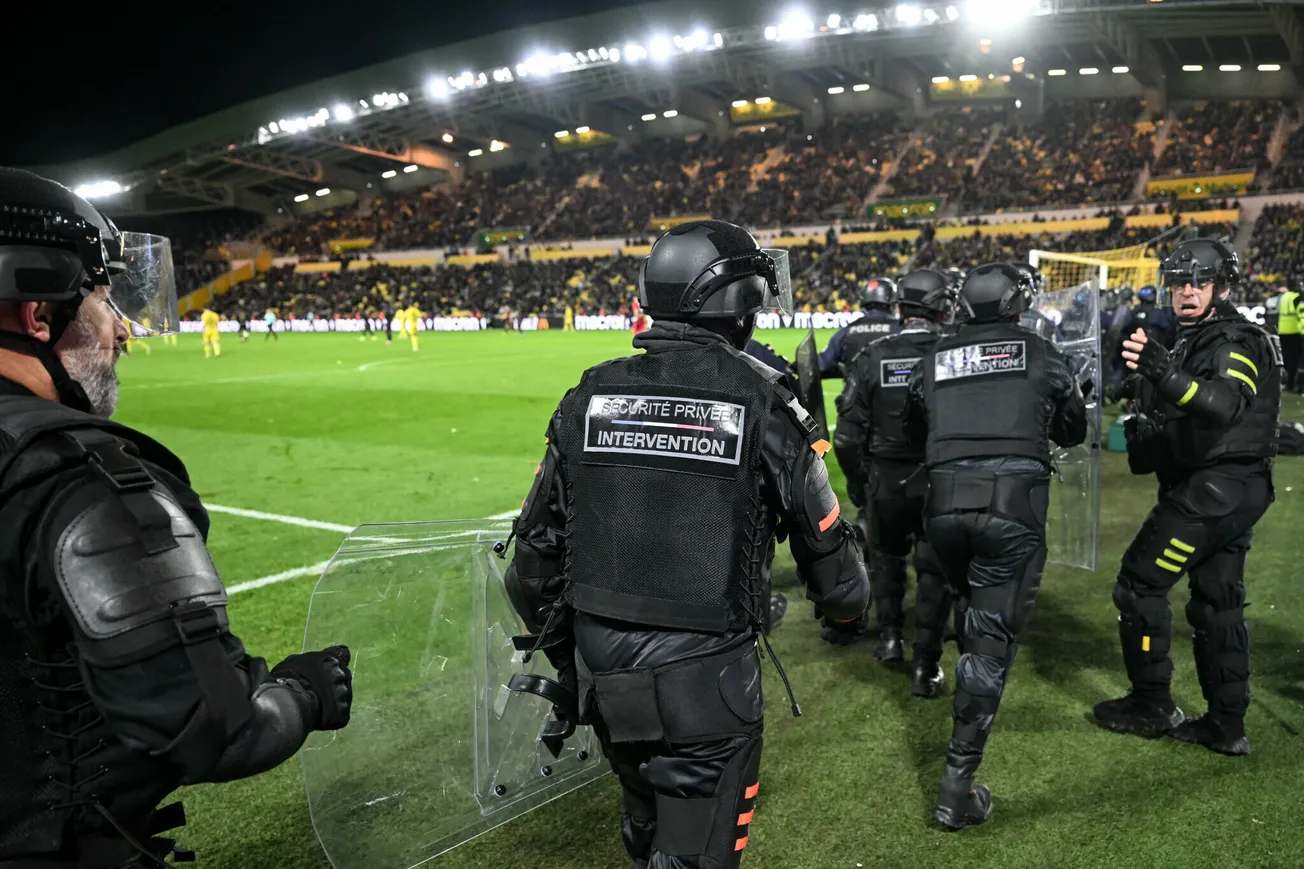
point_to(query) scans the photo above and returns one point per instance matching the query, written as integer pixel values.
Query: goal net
(1135, 266)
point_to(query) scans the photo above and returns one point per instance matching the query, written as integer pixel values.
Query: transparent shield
(438, 749)
(810, 388)
(144, 289)
(1073, 523)
(780, 301)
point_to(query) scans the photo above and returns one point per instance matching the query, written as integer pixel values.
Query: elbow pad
(283, 712)
(837, 583)
(1216, 400)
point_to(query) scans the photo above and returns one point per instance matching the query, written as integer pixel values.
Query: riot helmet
(712, 269)
(1034, 274)
(878, 294)
(925, 293)
(1197, 263)
(1147, 294)
(996, 291)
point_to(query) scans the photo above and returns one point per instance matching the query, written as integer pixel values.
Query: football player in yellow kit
(212, 337)
(411, 317)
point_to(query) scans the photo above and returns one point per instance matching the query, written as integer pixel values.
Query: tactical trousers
(993, 557)
(684, 738)
(1202, 527)
(896, 496)
(1291, 347)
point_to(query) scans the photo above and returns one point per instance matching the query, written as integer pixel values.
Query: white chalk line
(308, 569)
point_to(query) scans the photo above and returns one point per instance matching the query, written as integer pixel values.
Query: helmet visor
(778, 294)
(144, 285)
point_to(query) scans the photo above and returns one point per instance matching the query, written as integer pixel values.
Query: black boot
(926, 679)
(1223, 734)
(1143, 716)
(890, 646)
(960, 802)
(843, 633)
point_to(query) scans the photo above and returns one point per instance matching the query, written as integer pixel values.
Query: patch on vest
(872, 327)
(655, 428)
(977, 359)
(896, 372)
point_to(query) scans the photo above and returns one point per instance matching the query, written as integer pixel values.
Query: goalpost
(1131, 266)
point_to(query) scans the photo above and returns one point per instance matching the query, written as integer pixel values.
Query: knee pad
(715, 827)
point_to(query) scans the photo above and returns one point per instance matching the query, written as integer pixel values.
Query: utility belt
(121, 852)
(691, 700)
(1021, 498)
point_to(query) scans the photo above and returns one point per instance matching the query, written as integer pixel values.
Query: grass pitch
(340, 431)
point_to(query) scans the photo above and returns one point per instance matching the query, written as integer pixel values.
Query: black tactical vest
(1271, 313)
(892, 360)
(661, 455)
(1196, 444)
(987, 394)
(861, 333)
(58, 750)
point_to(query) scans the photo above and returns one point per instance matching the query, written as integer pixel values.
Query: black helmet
(925, 293)
(955, 276)
(1034, 274)
(878, 293)
(1201, 260)
(54, 245)
(1147, 293)
(706, 268)
(996, 291)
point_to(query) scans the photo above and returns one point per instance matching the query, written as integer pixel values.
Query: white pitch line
(277, 517)
(284, 575)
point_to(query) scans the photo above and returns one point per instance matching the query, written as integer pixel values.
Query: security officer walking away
(643, 550)
(1289, 330)
(878, 319)
(121, 680)
(1207, 427)
(984, 403)
(870, 427)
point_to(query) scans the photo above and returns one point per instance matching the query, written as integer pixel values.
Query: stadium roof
(618, 70)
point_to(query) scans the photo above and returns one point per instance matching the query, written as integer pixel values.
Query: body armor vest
(1196, 444)
(987, 394)
(861, 333)
(891, 362)
(666, 523)
(64, 765)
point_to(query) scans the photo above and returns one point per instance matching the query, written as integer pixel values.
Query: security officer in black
(985, 403)
(643, 550)
(1206, 425)
(878, 319)
(870, 427)
(119, 676)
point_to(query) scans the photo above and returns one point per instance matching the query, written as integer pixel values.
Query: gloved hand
(1145, 445)
(843, 633)
(326, 674)
(1148, 358)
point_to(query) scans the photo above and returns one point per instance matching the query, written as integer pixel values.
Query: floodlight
(343, 113)
(1119, 70)
(1229, 67)
(860, 88)
(98, 189)
(670, 114)
(835, 91)
(1269, 67)
(302, 197)
(659, 48)
(475, 152)
(388, 173)
(324, 191)
(908, 14)
(410, 168)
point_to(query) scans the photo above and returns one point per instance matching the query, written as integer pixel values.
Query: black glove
(1145, 445)
(1155, 363)
(326, 674)
(843, 633)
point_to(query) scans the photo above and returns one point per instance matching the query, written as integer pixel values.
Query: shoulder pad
(115, 588)
(785, 402)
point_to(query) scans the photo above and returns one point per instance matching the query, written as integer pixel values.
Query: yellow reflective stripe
(1180, 559)
(1145, 644)
(1171, 568)
(1239, 376)
(1185, 547)
(1190, 394)
(1239, 358)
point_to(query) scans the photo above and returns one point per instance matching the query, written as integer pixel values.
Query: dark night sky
(114, 78)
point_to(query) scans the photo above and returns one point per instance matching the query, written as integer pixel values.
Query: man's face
(1190, 301)
(89, 350)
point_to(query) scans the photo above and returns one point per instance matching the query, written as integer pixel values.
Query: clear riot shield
(1073, 523)
(810, 389)
(438, 749)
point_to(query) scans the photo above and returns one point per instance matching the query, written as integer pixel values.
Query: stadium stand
(1289, 173)
(942, 160)
(1215, 136)
(1275, 254)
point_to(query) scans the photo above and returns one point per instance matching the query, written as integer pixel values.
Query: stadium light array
(302, 197)
(1229, 67)
(98, 189)
(658, 48)
(931, 17)
(1088, 70)
(860, 88)
(738, 104)
(835, 91)
(865, 22)
(437, 88)
(343, 113)
(952, 13)
(410, 168)
(1192, 67)
(1056, 72)
(1269, 67)
(650, 117)
(968, 78)
(389, 173)
(796, 25)
(670, 113)
(635, 52)
(475, 152)
(941, 79)
(834, 21)
(1120, 70)
(908, 14)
